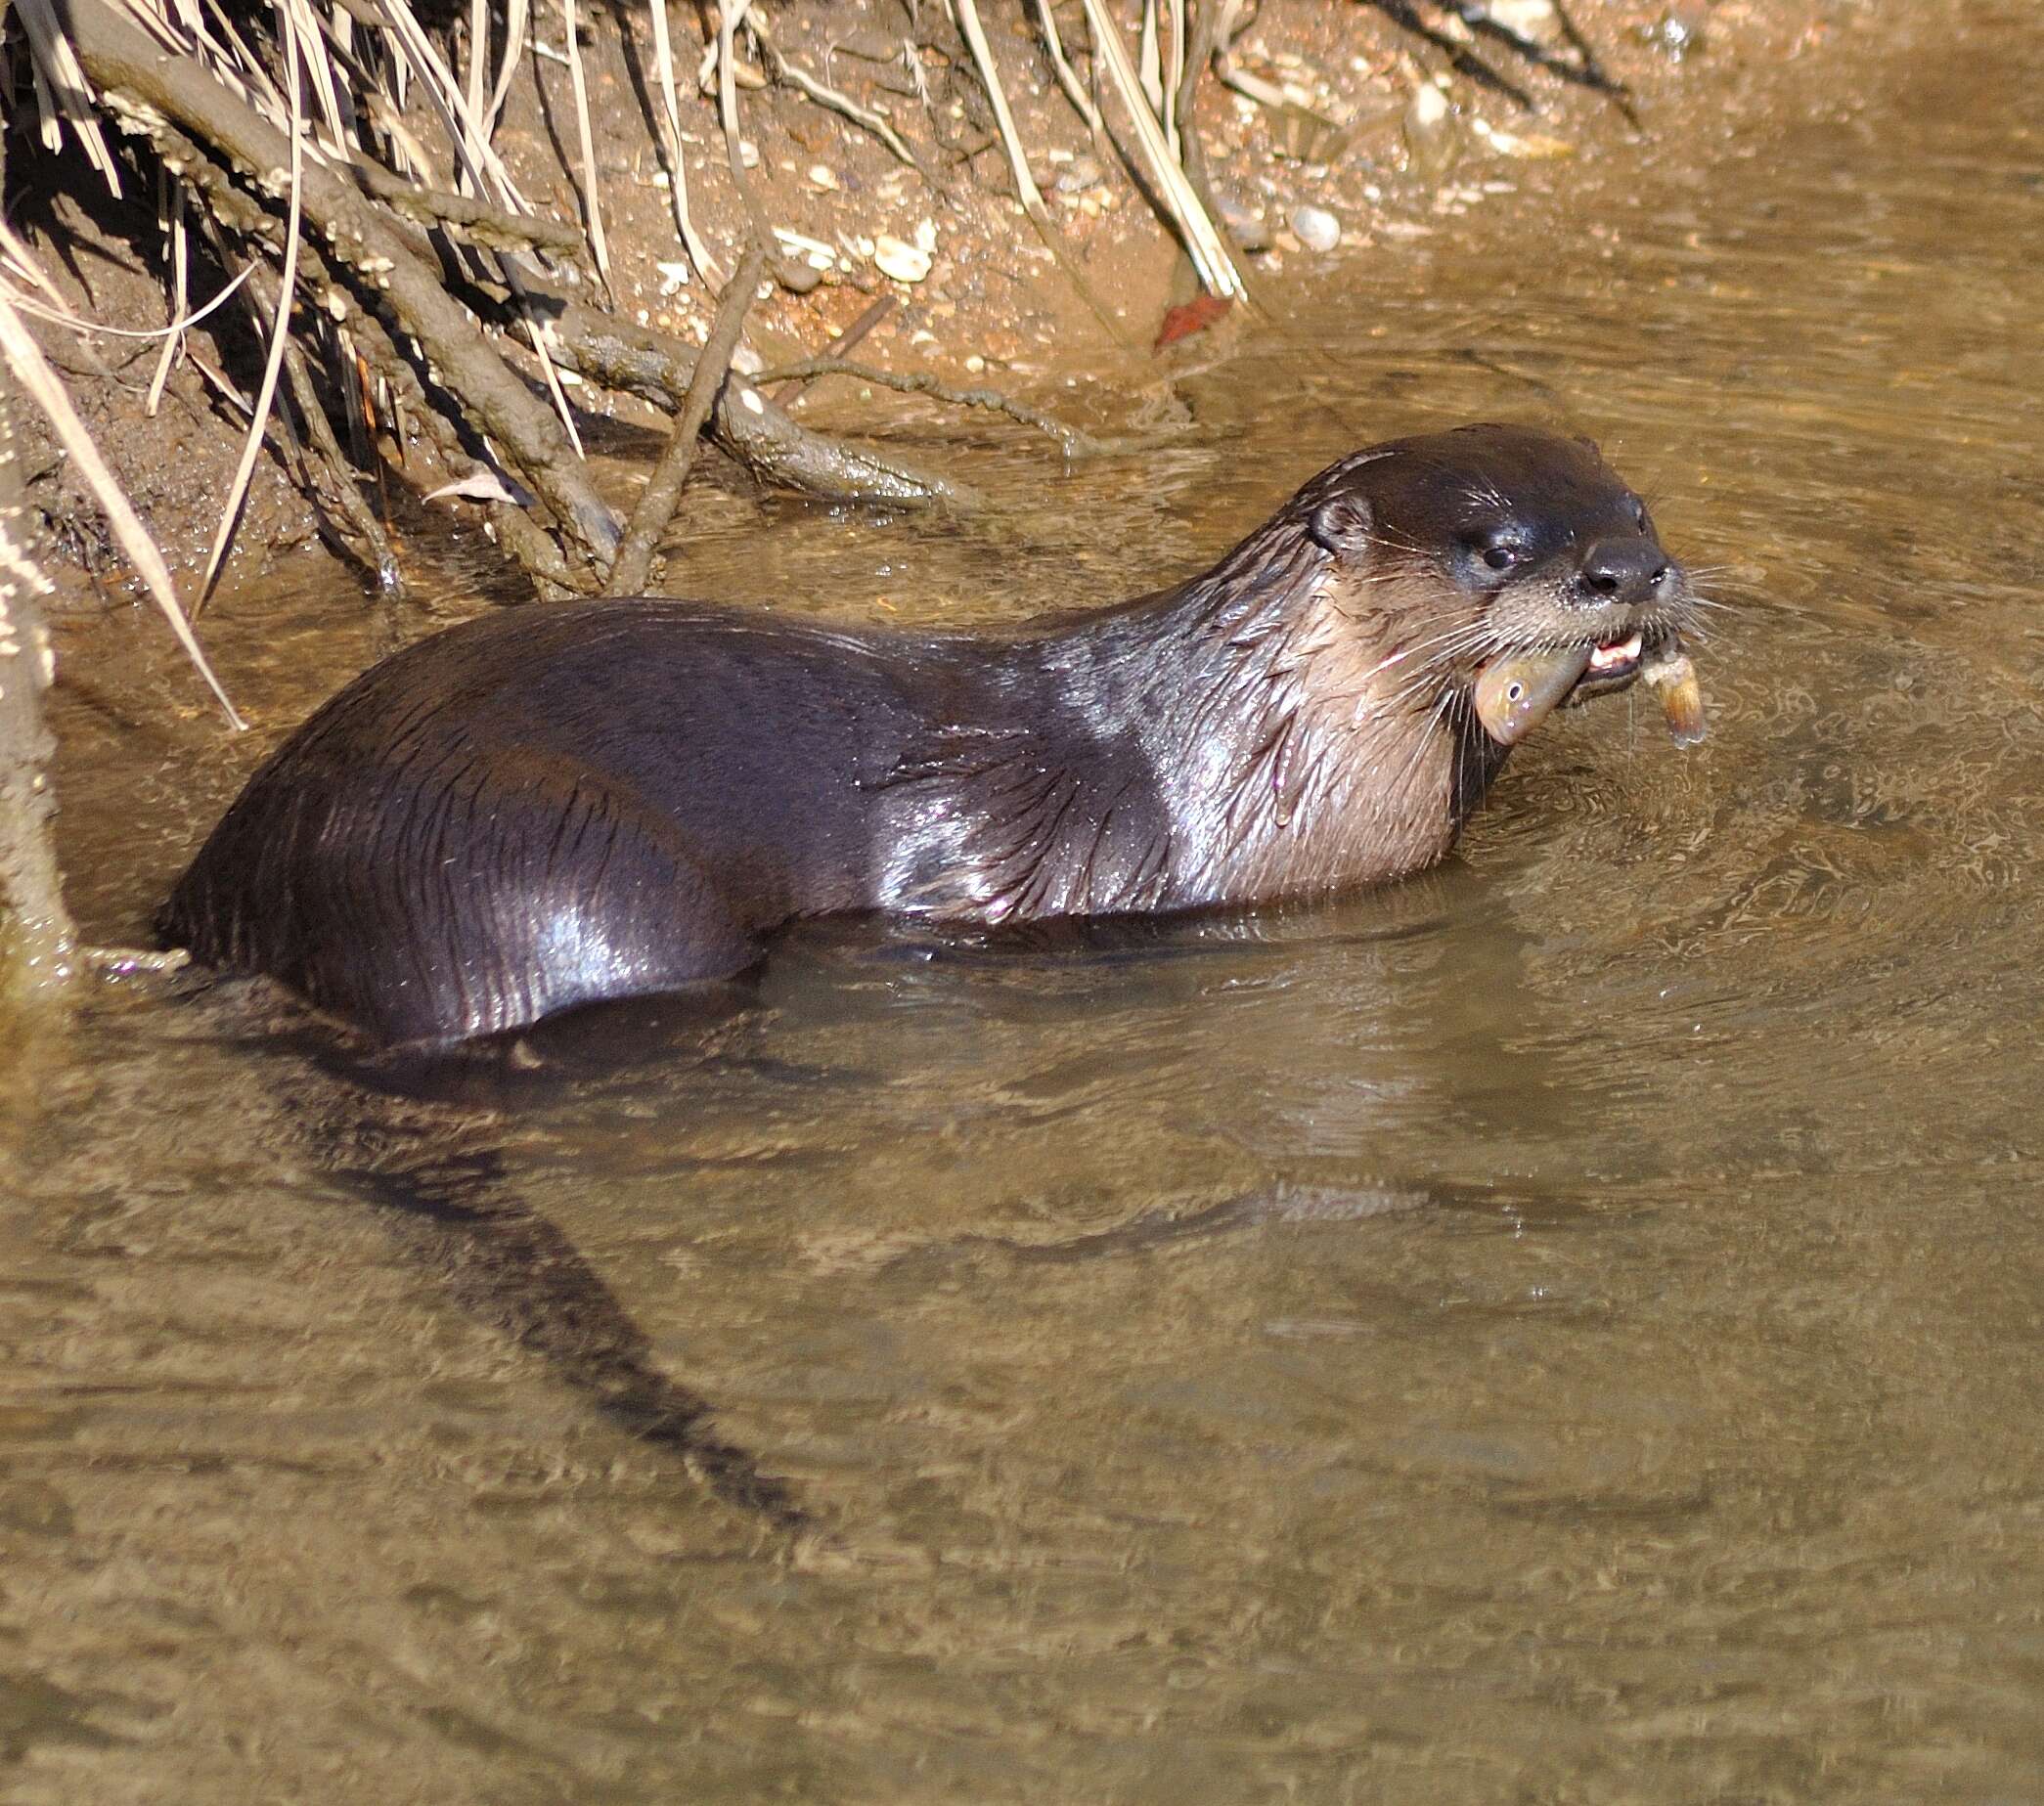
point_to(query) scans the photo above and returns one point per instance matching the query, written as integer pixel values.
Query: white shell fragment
(905, 263)
(1315, 228)
(1528, 18)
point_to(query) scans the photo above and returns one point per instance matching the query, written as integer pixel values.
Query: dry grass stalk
(671, 142)
(1203, 241)
(39, 383)
(1067, 76)
(238, 491)
(967, 13)
(592, 203)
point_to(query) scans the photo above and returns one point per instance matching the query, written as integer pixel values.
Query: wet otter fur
(554, 807)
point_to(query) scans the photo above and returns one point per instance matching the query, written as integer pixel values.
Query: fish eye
(1515, 690)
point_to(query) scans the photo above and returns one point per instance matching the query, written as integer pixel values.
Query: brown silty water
(1564, 1326)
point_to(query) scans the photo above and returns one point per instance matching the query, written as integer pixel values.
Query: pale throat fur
(1308, 721)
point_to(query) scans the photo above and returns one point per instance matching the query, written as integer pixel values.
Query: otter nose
(1629, 572)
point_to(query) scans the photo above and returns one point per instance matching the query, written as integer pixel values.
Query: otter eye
(1501, 556)
(1639, 516)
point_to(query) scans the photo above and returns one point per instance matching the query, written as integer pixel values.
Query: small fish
(1517, 692)
(1668, 673)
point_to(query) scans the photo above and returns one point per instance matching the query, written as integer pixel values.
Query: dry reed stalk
(60, 88)
(265, 395)
(663, 489)
(1203, 242)
(974, 33)
(1068, 78)
(180, 289)
(671, 139)
(592, 205)
(39, 383)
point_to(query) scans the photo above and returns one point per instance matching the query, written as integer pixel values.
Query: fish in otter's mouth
(1517, 690)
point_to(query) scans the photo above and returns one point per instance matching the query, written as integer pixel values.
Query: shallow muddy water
(1567, 1326)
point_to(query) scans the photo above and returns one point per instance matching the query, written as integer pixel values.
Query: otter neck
(1290, 734)
(1308, 719)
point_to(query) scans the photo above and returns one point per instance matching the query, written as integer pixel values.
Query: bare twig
(1077, 443)
(1068, 78)
(465, 217)
(671, 141)
(975, 36)
(1464, 61)
(663, 489)
(592, 205)
(865, 117)
(841, 345)
(657, 367)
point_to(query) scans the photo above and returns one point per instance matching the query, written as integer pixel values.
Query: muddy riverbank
(1379, 138)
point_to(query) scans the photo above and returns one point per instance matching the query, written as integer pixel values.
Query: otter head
(1502, 565)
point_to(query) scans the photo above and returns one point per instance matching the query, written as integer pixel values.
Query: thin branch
(1077, 442)
(842, 344)
(657, 367)
(865, 117)
(663, 489)
(1464, 61)
(463, 216)
(1067, 76)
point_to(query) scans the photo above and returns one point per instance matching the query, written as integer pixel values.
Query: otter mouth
(1611, 667)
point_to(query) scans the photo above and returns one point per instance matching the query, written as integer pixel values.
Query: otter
(556, 807)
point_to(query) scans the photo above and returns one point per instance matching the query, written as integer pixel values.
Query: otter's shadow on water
(420, 1137)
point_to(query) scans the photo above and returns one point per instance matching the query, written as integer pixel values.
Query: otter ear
(1342, 524)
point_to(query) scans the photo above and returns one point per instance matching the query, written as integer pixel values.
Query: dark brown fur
(553, 806)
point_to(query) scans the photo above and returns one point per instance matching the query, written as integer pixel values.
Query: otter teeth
(1605, 658)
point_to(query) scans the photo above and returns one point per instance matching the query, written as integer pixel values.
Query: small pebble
(1528, 18)
(1081, 172)
(1242, 223)
(1315, 228)
(905, 263)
